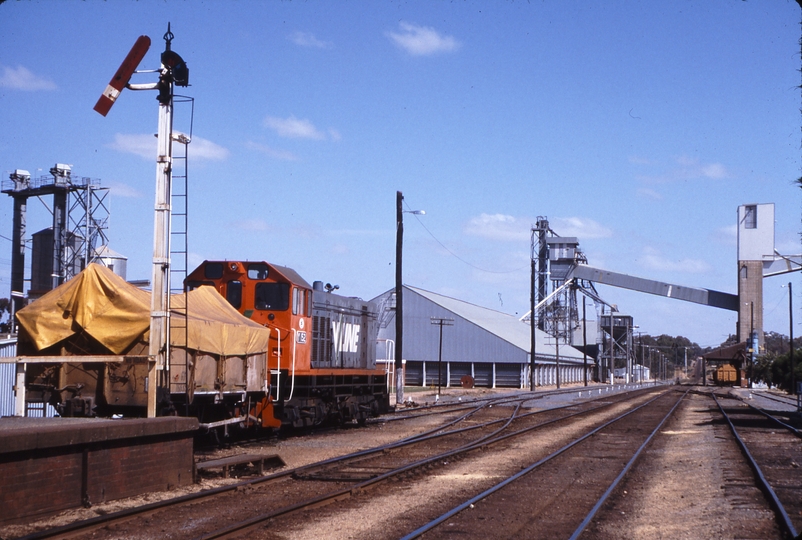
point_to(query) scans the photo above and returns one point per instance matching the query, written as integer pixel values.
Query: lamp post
(399, 291)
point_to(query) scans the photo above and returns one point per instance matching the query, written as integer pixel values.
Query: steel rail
(467, 504)
(426, 434)
(390, 417)
(773, 418)
(785, 400)
(434, 432)
(340, 494)
(83, 526)
(763, 483)
(579, 530)
(462, 405)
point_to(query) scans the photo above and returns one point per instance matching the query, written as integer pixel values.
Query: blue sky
(638, 127)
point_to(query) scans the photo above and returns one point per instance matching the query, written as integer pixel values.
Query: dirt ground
(692, 483)
(295, 450)
(688, 485)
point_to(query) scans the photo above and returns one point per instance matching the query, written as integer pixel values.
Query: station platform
(48, 465)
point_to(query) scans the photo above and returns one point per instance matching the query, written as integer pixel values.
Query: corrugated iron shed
(479, 334)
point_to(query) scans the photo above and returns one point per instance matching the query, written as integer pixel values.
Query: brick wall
(35, 482)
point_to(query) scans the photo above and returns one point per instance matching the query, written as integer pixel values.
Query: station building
(490, 346)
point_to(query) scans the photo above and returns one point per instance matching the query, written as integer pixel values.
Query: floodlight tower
(173, 71)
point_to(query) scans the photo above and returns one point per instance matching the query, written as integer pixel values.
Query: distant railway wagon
(726, 375)
(322, 348)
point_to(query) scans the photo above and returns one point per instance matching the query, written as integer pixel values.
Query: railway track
(786, 403)
(555, 510)
(775, 465)
(770, 446)
(292, 491)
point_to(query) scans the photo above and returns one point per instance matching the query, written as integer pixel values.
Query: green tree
(781, 370)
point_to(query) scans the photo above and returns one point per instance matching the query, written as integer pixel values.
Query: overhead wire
(457, 256)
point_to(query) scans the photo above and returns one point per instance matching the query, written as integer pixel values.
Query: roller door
(431, 373)
(459, 370)
(413, 374)
(508, 375)
(483, 375)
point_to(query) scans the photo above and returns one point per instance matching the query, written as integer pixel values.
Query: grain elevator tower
(755, 247)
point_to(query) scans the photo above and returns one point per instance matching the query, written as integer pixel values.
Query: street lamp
(399, 285)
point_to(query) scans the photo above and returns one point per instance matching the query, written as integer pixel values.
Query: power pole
(399, 303)
(441, 322)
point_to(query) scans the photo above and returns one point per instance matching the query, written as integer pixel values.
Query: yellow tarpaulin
(117, 314)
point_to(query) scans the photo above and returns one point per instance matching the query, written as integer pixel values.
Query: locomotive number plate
(301, 337)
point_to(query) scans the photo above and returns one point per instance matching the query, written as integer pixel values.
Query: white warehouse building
(490, 346)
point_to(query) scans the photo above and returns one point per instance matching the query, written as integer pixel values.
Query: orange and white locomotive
(322, 356)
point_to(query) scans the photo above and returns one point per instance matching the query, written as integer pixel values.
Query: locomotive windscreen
(273, 296)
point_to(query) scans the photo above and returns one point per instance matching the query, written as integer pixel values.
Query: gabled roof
(502, 325)
(291, 275)
(105, 251)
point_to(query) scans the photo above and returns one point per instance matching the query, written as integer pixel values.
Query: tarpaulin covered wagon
(92, 335)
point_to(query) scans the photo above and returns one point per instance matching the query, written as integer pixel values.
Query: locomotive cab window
(213, 271)
(234, 293)
(296, 300)
(257, 271)
(272, 296)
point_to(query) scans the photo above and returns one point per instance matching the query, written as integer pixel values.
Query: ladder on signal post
(181, 380)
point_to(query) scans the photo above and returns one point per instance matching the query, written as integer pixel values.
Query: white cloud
(145, 146)
(650, 194)
(307, 39)
(637, 160)
(254, 224)
(293, 128)
(507, 228)
(652, 259)
(339, 249)
(142, 145)
(582, 228)
(689, 169)
(124, 190)
(692, 168)
(422, 40)
(499, 227)
(356, 232)
(23, 79)
(272, 152)
(727, 235)
(787, 246)
(201, 148)
(714, 170)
